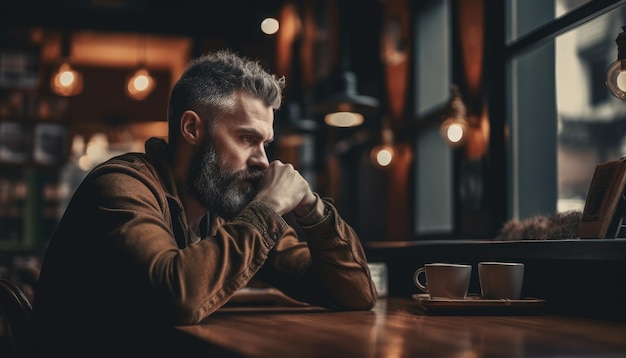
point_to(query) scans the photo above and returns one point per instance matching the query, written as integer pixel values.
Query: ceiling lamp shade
(139, 84)
(616, 73)
(345, 107)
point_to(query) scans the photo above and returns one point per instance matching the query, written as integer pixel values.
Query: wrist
(311, 212)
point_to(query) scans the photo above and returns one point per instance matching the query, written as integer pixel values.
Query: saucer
(474, 304)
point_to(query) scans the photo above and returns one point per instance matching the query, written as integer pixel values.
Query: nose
(259, 159)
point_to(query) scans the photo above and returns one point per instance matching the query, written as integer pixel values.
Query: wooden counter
(397, 327)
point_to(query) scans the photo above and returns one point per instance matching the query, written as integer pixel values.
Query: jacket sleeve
(192, 282)
(139, 227)
(329, 269)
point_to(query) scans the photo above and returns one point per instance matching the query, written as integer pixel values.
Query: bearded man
(163, 238)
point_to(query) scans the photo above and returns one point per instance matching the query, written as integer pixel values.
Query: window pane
(591, 122)
(527, 15)
(533, 132)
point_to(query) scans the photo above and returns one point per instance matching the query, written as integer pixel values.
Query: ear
(191, 127)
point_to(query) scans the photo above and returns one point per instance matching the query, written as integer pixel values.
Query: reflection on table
(397, 327)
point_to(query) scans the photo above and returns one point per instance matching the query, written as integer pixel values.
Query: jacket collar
(158, 154)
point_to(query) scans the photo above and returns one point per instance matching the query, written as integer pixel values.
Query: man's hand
(283, 189)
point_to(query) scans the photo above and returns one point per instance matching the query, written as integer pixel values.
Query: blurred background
(469, 113)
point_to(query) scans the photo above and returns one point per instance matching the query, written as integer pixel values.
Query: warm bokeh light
(97, 147)
(141, 82)
(66, 78)
(139, 85)
(94, 151)
(382, 155)
(66, 81)
(455, 133)
(78, 145)
(621, 80)
(270, 26)
(84, 163)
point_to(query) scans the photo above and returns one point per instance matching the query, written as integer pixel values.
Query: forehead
(248, 113)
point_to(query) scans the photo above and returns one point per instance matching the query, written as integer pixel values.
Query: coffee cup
(443, 279)
(501, 280)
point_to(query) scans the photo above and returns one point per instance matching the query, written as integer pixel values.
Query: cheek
(233, 160)
(232, 155)
(240, 162)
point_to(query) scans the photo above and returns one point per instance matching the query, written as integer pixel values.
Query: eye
(247, 138)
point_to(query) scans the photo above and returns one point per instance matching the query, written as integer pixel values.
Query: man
(165, 238)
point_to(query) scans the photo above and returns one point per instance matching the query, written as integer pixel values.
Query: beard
(223, 192)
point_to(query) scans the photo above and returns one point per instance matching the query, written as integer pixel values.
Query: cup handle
(417, 282)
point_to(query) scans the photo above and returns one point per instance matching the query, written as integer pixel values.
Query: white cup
(501, 280)
(378, 271)
(444, 280)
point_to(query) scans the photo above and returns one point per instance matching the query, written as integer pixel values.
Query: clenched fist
(283, 189)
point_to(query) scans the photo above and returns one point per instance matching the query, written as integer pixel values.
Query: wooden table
(397, 327)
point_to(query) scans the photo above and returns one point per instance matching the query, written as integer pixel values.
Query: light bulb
(139, 85)
(269, 26)
(616, 79)
(66, 81)
(141, 82)
(382, 155)
(66, 78)
(453, 131)
(616, 74)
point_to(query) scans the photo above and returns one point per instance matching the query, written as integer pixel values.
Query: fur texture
(558, 226)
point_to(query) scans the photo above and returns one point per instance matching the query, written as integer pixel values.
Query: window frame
(501, 180)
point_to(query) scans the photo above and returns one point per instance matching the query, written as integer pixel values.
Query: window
(525, 16)
(562, 119)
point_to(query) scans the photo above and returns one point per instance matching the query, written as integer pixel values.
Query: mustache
(250, 175)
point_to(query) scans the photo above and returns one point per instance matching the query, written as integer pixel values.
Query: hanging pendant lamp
(615, 77)
(66, 81)
(140, 83)
(344, 106)
(454, 129)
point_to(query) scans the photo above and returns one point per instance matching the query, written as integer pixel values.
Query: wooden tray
(476, 305)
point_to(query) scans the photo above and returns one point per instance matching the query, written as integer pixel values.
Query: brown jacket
(122, 262)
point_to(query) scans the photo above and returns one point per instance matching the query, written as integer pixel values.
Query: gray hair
(208, 83)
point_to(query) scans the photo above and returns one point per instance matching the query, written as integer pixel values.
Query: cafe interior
(455, 131)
